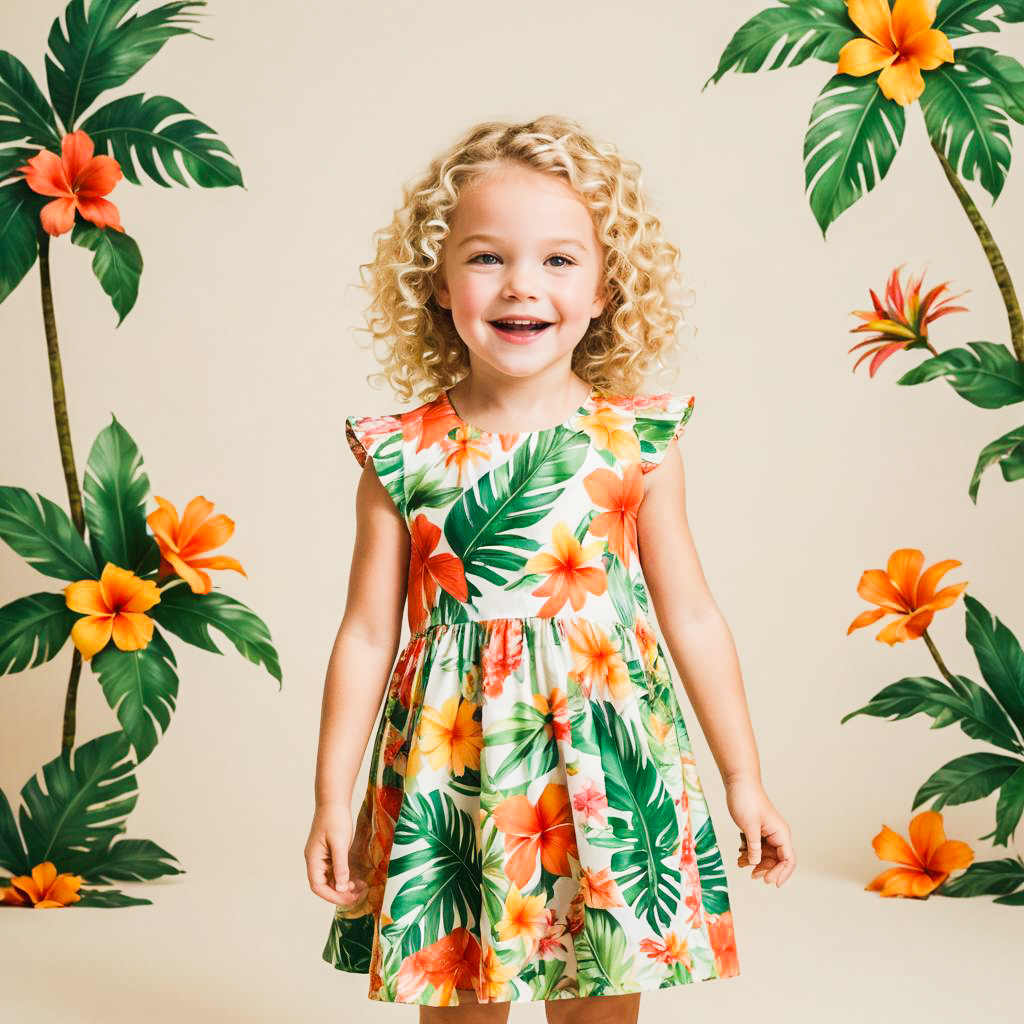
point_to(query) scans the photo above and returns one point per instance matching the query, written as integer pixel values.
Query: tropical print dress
(534, 825)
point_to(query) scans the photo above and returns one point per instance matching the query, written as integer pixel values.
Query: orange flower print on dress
(495, 976)
(570, 576)
(428, 571)
(599, 889)
(503, 653)
(900, 43)
(544, 829)
(451, 962)
(555, 708)
(114, 606)
(612, 431)
(597, 659)
(79, 180)
(525, 917)
(43, 888)
(671, 950)
(450, 735)
(181, 542)
(926, 861)
(621, 496)
(723, 942)
(464, 450)
(901, 589)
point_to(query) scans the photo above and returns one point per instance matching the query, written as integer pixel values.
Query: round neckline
(582, 410)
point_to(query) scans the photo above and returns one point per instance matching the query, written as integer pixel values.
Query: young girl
(534, 827)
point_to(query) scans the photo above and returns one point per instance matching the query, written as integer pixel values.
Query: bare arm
(702, 648)
(358, 672)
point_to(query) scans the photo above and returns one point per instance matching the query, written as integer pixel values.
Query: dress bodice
(538, 524)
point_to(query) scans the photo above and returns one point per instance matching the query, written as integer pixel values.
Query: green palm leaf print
(601, 952)
(714, 894)
(488, 528)
(533, 751)
(645, 831)
(444, 891)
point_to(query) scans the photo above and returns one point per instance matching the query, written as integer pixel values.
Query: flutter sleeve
(659, 420)
(380, 438)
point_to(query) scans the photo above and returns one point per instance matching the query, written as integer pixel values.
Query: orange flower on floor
(43, 888)
(79, 180)
(902, 322)
(901, 589)
(900, 43)
(926, 864)
(113, 606)
(181, 542)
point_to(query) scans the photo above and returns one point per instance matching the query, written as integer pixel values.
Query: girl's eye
(568, 260)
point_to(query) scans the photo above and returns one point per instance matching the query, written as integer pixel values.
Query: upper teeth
(527, 322)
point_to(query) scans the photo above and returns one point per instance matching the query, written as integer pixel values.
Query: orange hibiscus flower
(524, 917)
(451, 962)
(597, 659)
(900, 42)
(450, 735)
(925, 865)
(611, 430)
(569, 575)
(599, 889)
(113, 606)
(79, 180)
(182, 541)
(545, 828)
(901, 589)
(621, 496)
(722, 937)
(43, 888)
(670, 950)
(555, 708)
(427, 572)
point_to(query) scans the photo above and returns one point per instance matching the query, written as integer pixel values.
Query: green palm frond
(962, 17)
(804, 30)
(852, 139)
(131, 126)
(102, 49)
(25, 114)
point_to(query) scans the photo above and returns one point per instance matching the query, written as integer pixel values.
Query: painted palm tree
(128, 576)
(887, 59)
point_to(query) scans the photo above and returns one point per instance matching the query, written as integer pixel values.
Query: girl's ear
(441, 293)
(600, 301)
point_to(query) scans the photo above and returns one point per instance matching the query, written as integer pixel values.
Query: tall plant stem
(67, 458)
(992, 254)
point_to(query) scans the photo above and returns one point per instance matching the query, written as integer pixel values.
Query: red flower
(79, 180)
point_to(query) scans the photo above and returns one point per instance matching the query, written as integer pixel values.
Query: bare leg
(467, 1012)
(594, 1010)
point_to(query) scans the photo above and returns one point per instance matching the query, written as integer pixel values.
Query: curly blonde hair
(645, 294)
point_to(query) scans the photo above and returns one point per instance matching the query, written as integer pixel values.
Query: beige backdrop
(236, 368)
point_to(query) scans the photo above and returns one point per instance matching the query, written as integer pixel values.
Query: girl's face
(522, 245)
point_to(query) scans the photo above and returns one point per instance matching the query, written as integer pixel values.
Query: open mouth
(519, 328)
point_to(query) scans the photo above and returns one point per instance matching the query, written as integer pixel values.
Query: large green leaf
(977, 711)
(190, 617)
(13, 857)
(1009, 808)
(115, 487)
(25, 114)
(965, 122)
(533, 749)
(967, 778)
(986, 878)
(987, 375)
(642, 815)
(999, 657)
(714, 887)
(789, 35)
(962, 17)
(444, 890)
(88, 794)
(488, 528)
(102, 49)
(32, 630)
(603, 954)
(131, 126)
(19, 235)
(141, 687)
(1006, 74)
(47, 540)
(853, 128)
(117, 263)
(1007, 452)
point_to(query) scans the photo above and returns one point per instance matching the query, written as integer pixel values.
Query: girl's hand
(327, 856)
(765, 840)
